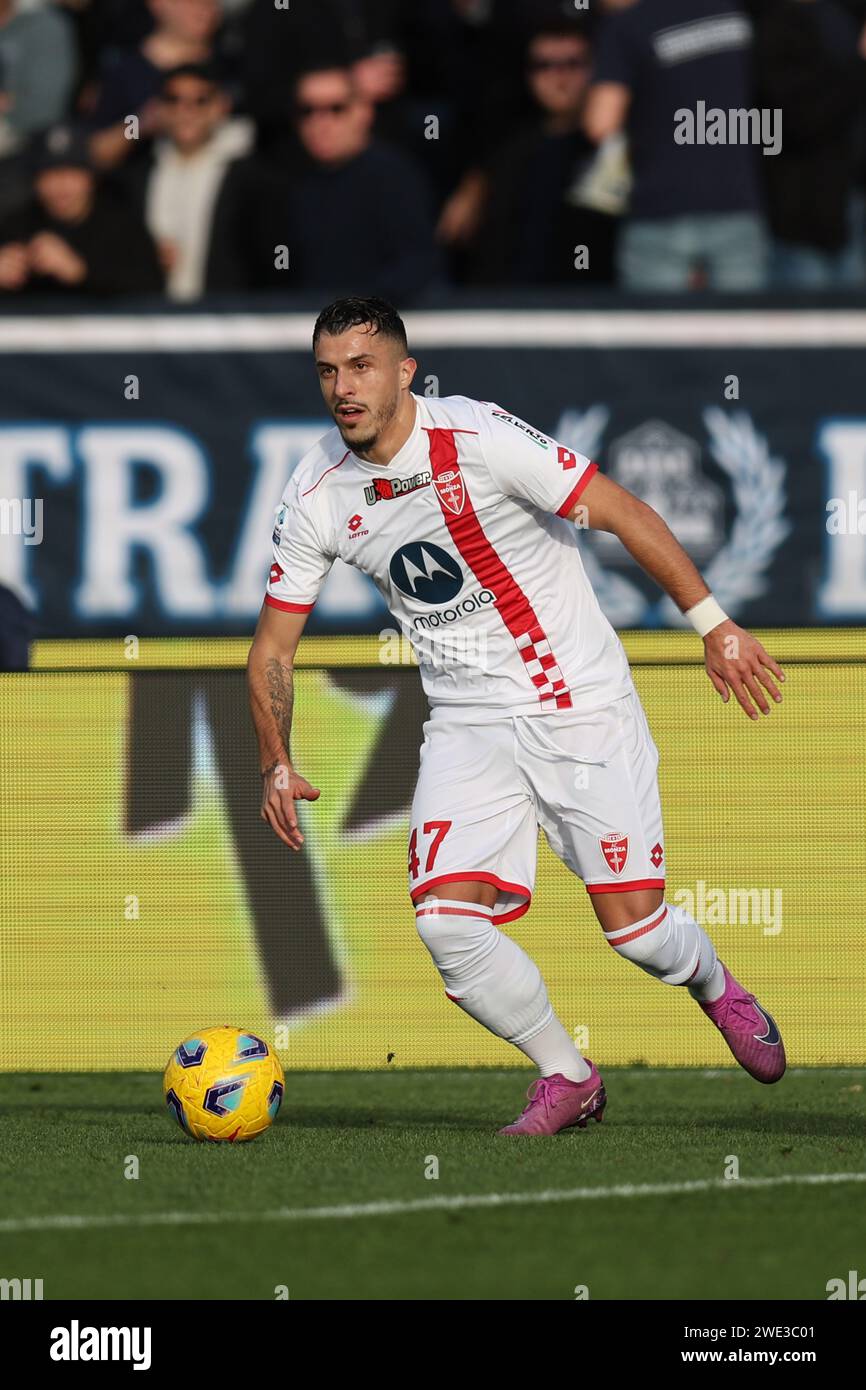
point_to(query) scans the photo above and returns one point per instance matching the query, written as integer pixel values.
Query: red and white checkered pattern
(542, 668)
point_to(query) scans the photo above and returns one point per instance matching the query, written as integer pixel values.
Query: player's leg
(614, 763)
(667, 943)
(469, 891)
(491, 827)
(664, 941)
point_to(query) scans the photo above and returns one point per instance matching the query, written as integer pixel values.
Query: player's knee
(458, 935)
(667, 944)
(484, 972)
(642, 939)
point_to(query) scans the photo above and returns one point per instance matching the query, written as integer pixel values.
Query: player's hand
(281, 788)
(736, 661)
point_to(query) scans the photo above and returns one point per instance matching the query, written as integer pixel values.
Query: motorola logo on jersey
(426, 572)
(469, 604)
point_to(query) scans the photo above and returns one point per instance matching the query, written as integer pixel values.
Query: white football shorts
(484, 789)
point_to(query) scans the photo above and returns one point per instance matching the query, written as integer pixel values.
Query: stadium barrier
(142, 455)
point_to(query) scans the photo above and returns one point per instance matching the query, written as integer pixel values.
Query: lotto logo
(276, 573)
(354, 522)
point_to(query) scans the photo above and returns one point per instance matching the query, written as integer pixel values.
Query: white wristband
(706, 615)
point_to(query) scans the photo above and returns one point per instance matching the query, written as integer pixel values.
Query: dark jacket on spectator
(530, 229)
(364, 226)
(808, 67)
(236, 250)
(119, 253)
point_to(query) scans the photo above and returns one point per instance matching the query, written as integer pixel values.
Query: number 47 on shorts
(437, 830)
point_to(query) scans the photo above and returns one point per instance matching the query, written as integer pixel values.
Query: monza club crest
(615, 850)
(450, 490)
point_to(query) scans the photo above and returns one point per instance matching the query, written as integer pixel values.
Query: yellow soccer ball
(224, 1084)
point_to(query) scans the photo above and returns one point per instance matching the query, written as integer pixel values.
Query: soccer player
(464, 517)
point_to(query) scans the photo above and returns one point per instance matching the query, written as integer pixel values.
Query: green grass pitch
(229, 1222)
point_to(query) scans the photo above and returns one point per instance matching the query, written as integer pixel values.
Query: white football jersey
(465, 534)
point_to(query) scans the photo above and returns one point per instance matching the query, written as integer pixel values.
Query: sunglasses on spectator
(558, 64)
(331, 108)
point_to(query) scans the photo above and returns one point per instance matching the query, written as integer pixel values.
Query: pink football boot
(749, 1031)
(556, 1103)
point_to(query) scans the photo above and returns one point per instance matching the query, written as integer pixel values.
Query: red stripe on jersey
(512, 604)
(288, 607)
(572, 497)
(327, 470)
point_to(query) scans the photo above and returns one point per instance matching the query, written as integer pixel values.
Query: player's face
(360, 376)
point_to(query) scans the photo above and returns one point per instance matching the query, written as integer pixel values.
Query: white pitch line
(470, 1200)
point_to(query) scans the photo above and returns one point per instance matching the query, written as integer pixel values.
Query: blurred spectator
(696, 209)
(535, 217)
(352, 211)
(812, 65)
(184, 32)
(37, 71)
(486, 56)
(190, 189)
(280, 44)
(72, 236)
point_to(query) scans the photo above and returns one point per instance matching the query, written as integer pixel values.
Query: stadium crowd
(184, 147)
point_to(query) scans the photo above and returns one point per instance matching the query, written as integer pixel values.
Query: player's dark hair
(354, 311)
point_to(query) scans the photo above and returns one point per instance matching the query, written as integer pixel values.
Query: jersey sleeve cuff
(288, 607)
(581, 483)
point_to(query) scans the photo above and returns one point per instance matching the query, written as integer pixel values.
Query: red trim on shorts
(476, 548)
(327, 470)
(480, 877)
(626, 887)
(288, 607)
(572, 497)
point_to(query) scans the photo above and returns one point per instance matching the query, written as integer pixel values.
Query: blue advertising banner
(142, 456)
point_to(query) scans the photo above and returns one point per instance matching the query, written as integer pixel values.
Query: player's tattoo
(282, 692)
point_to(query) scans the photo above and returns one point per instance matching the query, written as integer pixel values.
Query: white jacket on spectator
(181, 196)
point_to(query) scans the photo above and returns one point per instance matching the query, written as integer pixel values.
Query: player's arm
(300, 566)
(270, 678)
(735, 660)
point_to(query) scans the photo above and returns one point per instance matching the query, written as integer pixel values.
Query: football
(224, 1084)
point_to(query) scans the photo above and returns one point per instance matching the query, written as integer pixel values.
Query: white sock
(712, 989)
(552, 1051)
(670, 945)
(484, 972)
